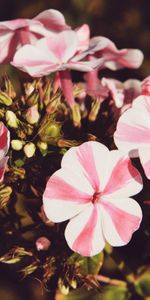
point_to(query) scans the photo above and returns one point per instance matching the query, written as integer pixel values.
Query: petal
(3, 163)
(53, 20)
(133, 128)
(34, 61)
(4, 140)
(73, 194)
(7, 47)
(63, 45)
(84, 233)
(144, 154)
(85, 66)
(123, 178)
(83, 33)
(133, 58)
(89, 159)
(120, 218)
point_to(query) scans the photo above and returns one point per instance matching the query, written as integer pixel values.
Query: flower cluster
(98, 176)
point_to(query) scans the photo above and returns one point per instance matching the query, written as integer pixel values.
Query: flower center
(96, 197)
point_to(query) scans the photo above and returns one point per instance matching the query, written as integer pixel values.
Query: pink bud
(42, 244)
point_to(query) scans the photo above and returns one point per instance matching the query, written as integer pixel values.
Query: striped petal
(67, 193)
(3, 163)
(53, 20)
(133, 128)
(89, 159)
(84, 232)
(120, 218)
(4, 140)
(123, 179)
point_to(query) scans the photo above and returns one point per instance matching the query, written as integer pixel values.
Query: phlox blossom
(133, 131)
(92, 190)
(18, 32)
(4, 145)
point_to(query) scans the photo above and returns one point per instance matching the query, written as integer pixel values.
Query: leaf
(88, 265)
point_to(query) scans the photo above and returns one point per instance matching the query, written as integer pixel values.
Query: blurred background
(124, 22)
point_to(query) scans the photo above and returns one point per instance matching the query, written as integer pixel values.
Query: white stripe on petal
(84, 234)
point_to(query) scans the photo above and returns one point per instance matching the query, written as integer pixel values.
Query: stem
(108, 280)
(67, 87)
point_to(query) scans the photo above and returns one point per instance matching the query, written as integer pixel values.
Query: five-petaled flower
(18, 32)
(93, 189)
(133, 131)
(4, 145)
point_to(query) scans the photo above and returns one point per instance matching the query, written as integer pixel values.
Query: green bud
(11, 119)
(42, 146)
(29, 150)
(5, 99)
(17, 145)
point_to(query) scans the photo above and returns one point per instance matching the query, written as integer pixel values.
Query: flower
(61, 52)
(18, 32)
(114, 58)
(133, 131)
(42, 243)
(4, 145)
(93, 189)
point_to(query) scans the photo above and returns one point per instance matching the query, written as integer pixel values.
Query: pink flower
(93, 189)
(4, 145)
(133, 131)
(114, 58)
(18, 32)
(61, 52)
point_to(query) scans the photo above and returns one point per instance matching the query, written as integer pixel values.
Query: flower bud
(73, 283)
(42, 244)
(11, 119)
(32, 115)
(5, 99)
(63, 288)
(50, 131)
(29, 149)
(17, 145)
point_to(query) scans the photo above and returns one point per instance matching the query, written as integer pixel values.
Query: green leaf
(88, 265)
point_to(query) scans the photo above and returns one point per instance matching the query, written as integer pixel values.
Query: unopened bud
(5, 99)
(63, 143)
(94, 110)
(42, 146)
(50, 131)
(32, 115)
(42, 244)
(11, 119)
(29, 150)
(33, 98)
(76, 115)
(73, 283)
(9, 89)
(17, 145)
(5, 192)
(63, 288)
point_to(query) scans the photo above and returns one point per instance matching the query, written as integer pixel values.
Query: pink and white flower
(114, 58)
(133, 131)
(18, 32)
(4, 145)
(93, 189)
(57, 53)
